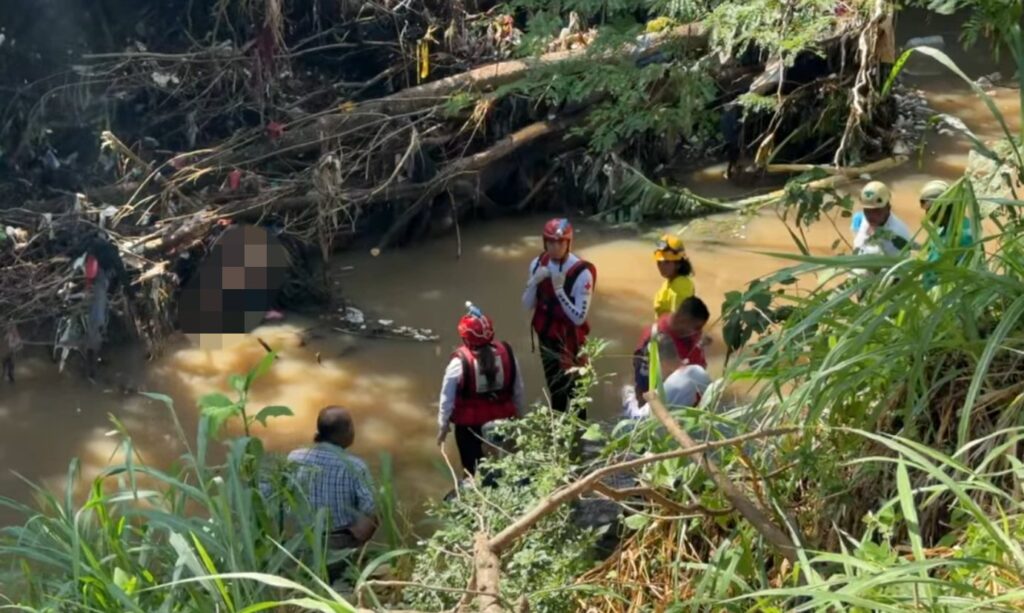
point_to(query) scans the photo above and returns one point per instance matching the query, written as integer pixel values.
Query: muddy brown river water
(391, 386)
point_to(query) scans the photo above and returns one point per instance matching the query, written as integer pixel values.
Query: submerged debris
(353, 321)
(912, 122)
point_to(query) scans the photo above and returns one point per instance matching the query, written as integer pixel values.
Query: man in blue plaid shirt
(338, 481)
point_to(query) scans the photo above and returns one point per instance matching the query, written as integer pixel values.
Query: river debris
(340, 128)
(354, 316)
(913, 115)
(350, 320)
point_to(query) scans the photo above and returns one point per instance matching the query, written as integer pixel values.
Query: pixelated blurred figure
(236, 284)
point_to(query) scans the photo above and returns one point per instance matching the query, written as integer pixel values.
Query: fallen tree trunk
(474, 163)
(487, 571)
(841, 176)
(174, 235)
(415, 99)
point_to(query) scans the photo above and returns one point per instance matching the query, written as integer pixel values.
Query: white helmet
(875, 195)
(933, 189)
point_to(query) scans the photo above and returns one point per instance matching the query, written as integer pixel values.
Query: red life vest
(476, 403)
(688, 348)
(549, 320)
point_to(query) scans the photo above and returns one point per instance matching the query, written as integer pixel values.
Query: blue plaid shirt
(336, 480)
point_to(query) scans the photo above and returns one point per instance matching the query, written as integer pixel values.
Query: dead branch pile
(369, 119)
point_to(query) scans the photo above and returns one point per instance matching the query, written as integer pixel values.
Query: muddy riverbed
(391, 386)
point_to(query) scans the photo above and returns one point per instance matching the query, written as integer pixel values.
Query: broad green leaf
(260, 369)
(215, 400)
(272, 411)
(123, 580)
(636, 521)
(237, 383)
(217, 415)
(594, 433)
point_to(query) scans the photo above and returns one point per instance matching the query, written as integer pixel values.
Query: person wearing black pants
(561, 383)
(469, 441)
(559, 292)
(481, 384)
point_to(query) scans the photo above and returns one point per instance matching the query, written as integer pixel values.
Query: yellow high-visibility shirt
(672, 294)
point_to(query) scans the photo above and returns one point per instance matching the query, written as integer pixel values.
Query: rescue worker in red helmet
(559, 292)
(482, 383)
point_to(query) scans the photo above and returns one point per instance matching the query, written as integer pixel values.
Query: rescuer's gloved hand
(539, 275)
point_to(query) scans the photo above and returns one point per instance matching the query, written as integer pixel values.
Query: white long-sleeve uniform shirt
(682, 389)
(450, 390)
(575, 304)
(878, 241)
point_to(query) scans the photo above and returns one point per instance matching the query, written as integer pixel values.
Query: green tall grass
(907, 375)
(232, 536)
(903, 489)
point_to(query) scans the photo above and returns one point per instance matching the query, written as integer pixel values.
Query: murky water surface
(391, 386)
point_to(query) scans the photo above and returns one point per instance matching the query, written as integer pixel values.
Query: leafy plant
(543, 564)
(903, 485)
(546, 560)
(237, 536)
(987, 19)
(219, 409)
(779, 29)
(625, 100)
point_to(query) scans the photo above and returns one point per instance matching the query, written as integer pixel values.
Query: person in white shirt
(482, 383)
(684, 387)
(881, 232)
(559, 292)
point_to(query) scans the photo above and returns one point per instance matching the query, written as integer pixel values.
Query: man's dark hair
(331, 424)
(695, 308)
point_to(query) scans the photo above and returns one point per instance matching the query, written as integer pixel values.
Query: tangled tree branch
(750, 511)
(506, 537)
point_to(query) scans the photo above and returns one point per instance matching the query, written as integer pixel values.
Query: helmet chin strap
(568, 249)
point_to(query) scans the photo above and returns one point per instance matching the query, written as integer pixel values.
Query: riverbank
(392, 385)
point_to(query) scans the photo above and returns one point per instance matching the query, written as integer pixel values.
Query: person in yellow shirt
(675, 267)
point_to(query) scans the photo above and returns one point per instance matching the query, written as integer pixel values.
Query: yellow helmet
(875, 195)
(933, 189)
(670, 249)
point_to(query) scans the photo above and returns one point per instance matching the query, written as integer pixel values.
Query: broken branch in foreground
(574, 490)
(750, 511)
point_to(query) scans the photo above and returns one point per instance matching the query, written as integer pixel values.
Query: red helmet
(476, 330)
(558, 230)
